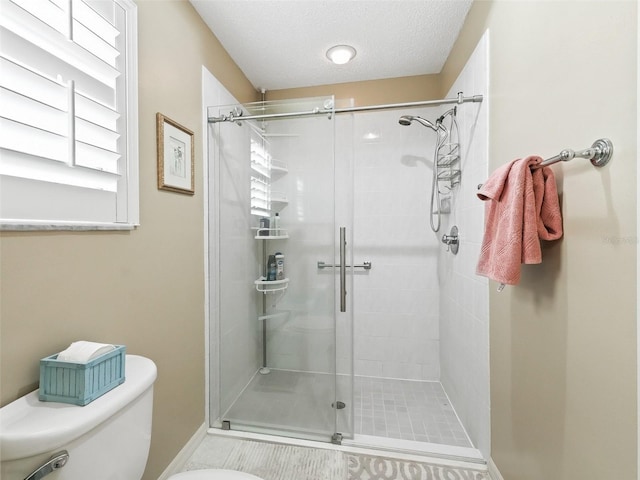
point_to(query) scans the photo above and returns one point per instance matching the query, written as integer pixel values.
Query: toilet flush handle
(56, 462)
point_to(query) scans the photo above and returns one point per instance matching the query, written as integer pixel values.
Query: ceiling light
(341, 54)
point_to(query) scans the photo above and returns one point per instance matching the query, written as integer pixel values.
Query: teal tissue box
(81, 383)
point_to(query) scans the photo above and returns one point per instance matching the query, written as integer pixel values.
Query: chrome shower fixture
(408, 119)
(234, 116)
(446, 154)
(452, 111)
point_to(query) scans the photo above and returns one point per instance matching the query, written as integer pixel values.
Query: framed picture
(175, 156)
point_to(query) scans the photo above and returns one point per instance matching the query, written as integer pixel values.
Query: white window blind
(68, 113)
(261, 176)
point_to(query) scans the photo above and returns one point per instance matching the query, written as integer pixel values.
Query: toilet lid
(213, 475)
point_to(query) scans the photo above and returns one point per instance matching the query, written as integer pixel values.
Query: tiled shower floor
(408, 410)
(397, 409)
(286, 400)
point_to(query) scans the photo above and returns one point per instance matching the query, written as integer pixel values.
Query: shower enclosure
(374, 334)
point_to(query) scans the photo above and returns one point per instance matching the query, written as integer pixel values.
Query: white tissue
(83, 351)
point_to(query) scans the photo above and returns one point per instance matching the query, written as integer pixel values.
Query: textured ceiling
(282, 43)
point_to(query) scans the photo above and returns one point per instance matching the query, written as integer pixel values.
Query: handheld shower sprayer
(408, 119)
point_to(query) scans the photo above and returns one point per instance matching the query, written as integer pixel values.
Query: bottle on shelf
(279, 257)
(264, 227)
(271, 268)
(275, 225)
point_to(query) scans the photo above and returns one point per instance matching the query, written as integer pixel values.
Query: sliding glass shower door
(283, 343)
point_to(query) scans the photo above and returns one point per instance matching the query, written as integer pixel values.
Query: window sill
(34, 225)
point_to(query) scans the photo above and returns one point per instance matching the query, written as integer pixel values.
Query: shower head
(405, 120)
(408, 119)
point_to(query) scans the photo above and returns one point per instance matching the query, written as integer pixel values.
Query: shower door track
(432, 453)
(236, 115)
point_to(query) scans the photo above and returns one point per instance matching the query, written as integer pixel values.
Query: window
(68, 114)
(260, 178)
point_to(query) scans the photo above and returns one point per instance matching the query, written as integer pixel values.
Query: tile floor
(408, 410)
(286, 400)
(301, 402)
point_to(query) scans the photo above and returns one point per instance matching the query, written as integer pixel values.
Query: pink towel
(522, 208)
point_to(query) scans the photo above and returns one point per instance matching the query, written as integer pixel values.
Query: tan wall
(563, 350)
(372, 92)
(143, 288)
(563, 342)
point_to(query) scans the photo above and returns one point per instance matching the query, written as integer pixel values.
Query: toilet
(108, 439)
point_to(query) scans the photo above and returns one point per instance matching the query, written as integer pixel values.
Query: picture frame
(175, 148)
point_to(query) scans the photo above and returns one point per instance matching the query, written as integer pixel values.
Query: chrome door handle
(365, 265)
(343, 269)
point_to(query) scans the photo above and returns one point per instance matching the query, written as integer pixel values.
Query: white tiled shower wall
(464, 296)
(396, 303)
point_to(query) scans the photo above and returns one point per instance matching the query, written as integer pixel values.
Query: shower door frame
(214, 415)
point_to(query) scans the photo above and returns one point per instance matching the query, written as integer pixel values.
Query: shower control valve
(451, 240)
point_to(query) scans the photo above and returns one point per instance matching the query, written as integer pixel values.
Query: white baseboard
(177, 464)
(494, 473)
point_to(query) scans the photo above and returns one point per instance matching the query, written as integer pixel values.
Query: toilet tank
(108, 439)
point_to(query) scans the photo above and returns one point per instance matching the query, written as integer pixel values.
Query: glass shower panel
(234, 255)
(277, 338)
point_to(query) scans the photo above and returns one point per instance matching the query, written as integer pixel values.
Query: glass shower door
(277, 329)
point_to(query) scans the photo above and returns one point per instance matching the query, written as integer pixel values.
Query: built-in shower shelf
(271, 286)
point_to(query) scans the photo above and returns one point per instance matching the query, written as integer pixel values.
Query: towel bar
(600, 153)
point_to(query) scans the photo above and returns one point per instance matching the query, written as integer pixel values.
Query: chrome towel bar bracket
(600, 153)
